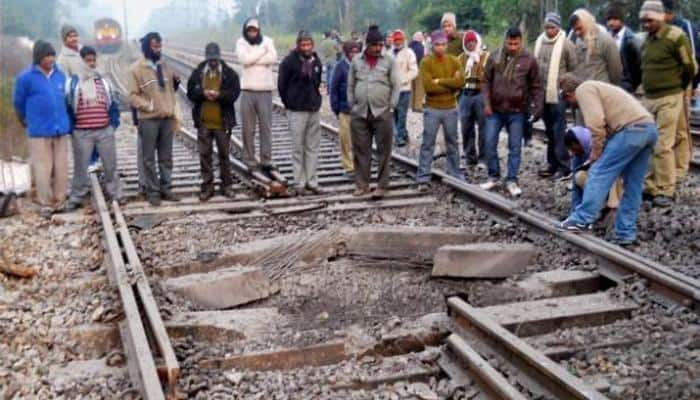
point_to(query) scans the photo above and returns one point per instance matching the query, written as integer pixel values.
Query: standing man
(340, 105)
(329, 49)
(683, 158)
(629, 47)
(257, 55)
(623, 140)
(299, 80)
(417, 90)
(94, 116)
(152, 87)
(667, 70)
(454, 38)
(69, 59)
(598, 57)
(512, 85)
(373, 92)
(471, 105)
(40, 105)
(555, 56)
(213, 89)
(442, 78)
(408, 71)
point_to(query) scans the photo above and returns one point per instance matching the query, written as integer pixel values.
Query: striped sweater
(92, 116)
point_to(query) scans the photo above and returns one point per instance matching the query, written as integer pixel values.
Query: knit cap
(652, 9)
(615, 11)
(42, 49)
(438, 37)
(449, 17)
(374, 35)
(552, 18)
(470, 36)
(398, 35)
(67, 30)
(212, 51)
(304, 35)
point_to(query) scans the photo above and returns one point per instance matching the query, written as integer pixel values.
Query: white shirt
(618, 36)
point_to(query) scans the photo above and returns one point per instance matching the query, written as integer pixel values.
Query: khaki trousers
(345, 142)
(49, 160)
(614, 195)
(662, 176)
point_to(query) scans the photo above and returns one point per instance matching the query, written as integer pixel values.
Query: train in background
(108, 35)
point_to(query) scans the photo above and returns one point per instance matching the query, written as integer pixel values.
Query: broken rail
(141, 314)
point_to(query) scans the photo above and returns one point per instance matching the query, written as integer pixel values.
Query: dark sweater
(299, 92)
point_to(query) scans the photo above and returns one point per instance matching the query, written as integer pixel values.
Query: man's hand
(488, 111)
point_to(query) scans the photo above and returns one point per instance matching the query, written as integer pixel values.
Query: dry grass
(14, 56)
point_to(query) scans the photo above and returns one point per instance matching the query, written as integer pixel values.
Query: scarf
(87, 84)
(552, 83)
(473, 57)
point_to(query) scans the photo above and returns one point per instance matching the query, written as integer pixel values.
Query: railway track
(487, 347)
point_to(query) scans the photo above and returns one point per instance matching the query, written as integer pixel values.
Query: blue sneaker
(573, 227)
(614, 239)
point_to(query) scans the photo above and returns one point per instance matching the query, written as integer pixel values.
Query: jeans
(576, 190)
(432, 119)
(514, 124)
(554, 127)
(400, 131)
(626, 153)
(471, 111)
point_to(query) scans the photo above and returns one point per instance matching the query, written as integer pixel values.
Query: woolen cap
(304, 35)
(374, 35)
(42, 49)
(470, 36)
(652, 9)
(669, 6)
(449, 17)
(615, 11)
(438, 37)
(552, 18)
(398, 35)
(212, 52)
(67, 30)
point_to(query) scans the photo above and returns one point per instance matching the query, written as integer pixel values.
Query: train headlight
(99, 36)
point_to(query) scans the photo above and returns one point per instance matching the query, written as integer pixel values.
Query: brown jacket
(517, 95)
(146, 96)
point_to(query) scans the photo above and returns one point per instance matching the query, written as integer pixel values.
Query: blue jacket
(339, 87)
(72, 94)
(40, 102)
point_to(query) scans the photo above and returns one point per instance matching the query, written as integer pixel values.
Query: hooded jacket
(297, 91)
(598, 57)
(40, 102)
(228, 94)
(521, 93)
(257, 60)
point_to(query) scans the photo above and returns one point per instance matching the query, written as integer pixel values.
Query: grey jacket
(373, 89)
(604, 63)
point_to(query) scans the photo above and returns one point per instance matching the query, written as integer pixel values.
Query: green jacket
(667, 64)
(450, 80)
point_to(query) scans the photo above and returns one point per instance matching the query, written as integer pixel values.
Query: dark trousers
(156, 137)
(363, 131)
(205, 140)
(554, 117)
(471, 113)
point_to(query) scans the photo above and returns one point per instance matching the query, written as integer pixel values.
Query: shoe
(401, 144)
(514, 189)
(96, 167)
(490, 184)
(206, 195)
(662, 201)
(545, 173)
(573, 227)
(268, 171)
(73, 205)
(646, 196)
(562, 176)
(614, 239)
(169, 196)
(481, 166)
(122, 201)
(315, 190)
(154, 200)
(350, 175)
(378, 193)
(229, 193)
(423, 187)
(46, 212)
(360, 192)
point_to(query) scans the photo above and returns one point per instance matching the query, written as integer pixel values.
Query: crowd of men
(620, 150)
